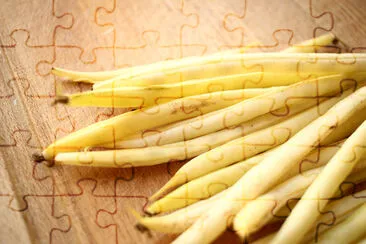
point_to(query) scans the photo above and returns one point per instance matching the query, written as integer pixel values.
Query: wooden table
(88, 205)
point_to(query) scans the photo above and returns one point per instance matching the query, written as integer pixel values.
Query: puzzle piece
(41, 22)
(140, 183)
(23, 177)
(164, 19)
(84, 21)
(67, 178)
(35, 221)
(257, 13)
(116, 220)
(16, 133)
(212, 33)
(153, 39)
(20, 137)
(20, 110)
(15, 223)
(7, 88)
(18, 141)
(60, 116)
(24, 70)
(82, 208)
(151, 47)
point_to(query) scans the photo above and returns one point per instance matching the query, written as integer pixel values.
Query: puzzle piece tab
(37, 18)
(35, 221)
(85, 21)
(116, 220)
(82, 208)
(259, 13)
(22, 72)
(209, 33)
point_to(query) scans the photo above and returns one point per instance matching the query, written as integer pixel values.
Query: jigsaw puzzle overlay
(90, 205)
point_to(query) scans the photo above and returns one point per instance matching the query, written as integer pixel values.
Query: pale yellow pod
(257, 213)
(212, 140)
(304, 47)
(312, 45)
(100, 76)
(129, 157)
(301, 64)
(169, 134)
(213, 183)
(316, 197)
(132, 96)
(153, 155)
(340, 209)
(270, 171)
(114, 129)
(234, 115)
(247, 146)
(93, 77)
(348, 231)
(178, 221)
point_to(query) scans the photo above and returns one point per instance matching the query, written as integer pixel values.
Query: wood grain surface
(89, 205)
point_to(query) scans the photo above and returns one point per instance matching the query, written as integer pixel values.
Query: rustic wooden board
(88, 205)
